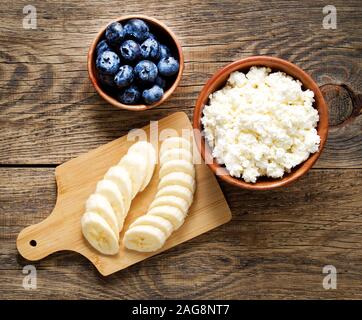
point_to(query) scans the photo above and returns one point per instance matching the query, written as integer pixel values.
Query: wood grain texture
(275, 246)
(50, 112)
(277, 242)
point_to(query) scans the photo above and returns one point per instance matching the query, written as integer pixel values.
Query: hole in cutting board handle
(33, 243)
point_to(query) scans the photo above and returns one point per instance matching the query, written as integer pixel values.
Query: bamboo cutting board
(77, 179)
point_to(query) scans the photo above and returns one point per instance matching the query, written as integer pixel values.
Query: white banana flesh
(175, 142)
(172, 214)
(144, 238)
(175, 154)
(148, 154)
(178, 179)
(177, 166)
(177, 191)
(171, 201)
(99, 234)
(108, 207)
(99, 204)
(137, 169)
(158, 222)
(168, 210)
(110, 191)
(123, 181)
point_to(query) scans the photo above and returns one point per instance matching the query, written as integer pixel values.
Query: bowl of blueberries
(135, 62)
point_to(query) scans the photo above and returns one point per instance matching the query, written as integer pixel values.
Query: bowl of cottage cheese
(263, 122)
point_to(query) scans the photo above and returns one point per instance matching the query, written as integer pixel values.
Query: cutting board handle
(39, 240)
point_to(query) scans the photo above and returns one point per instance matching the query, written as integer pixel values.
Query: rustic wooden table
(277, 242)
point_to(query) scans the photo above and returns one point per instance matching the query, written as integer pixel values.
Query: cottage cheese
(261, 124)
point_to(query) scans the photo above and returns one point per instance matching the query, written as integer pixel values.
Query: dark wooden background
(277, 242)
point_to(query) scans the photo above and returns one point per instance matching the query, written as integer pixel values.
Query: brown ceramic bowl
(219, 80)
(162, 32)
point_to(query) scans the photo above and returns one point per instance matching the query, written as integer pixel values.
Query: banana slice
(110, 191)
(175, 142)
(148, 153)
(99, 234)
(99, 204)
(158, 222)
(144, 238)
(137, 169)
(172, 214)
(177, 166)
(175, 154)
(171, 201)
(178, 178)
(121, 178)
(177, 191)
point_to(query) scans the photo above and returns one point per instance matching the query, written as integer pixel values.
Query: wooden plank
(50, 109)
(278, 241)
(275, 246)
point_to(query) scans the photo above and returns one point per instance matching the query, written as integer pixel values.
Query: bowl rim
(93, 76)
(275, 64)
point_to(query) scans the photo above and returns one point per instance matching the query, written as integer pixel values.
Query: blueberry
(146, 71)
(106, 79)
(124, 77)
(108, 62)
(130, 50)
(130, 95)
(152, 95)
(150, 49)
(102, 46)
(165, 52)
(160, 82)
(136, 29)
(114, 33)
(151, 36)
(168, 66)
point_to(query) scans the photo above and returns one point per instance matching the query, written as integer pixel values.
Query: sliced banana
(99, 234)
(177, 166)
(172, 214)
(137, 169)
(158, 222)
(175, 154)
(175, 142)
(178, 178)
(99, 204)
(169, 208)
(171, 201)
(121, 178)
(177, 191)
(148, 153)
(144, 238)
(107, 208)
(110, 191)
